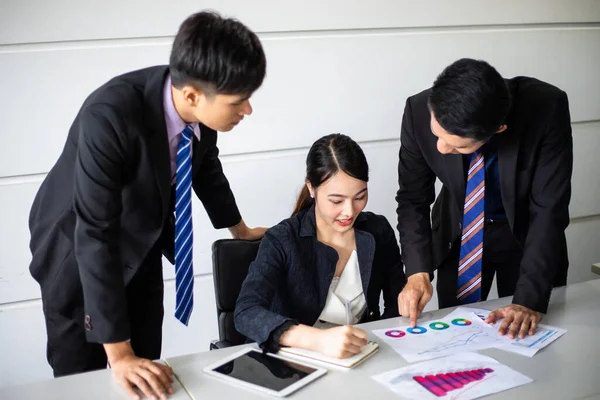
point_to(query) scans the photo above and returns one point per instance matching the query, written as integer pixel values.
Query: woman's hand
(340, 342)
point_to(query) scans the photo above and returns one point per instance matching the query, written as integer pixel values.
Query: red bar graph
(455, 383)
(441, 384)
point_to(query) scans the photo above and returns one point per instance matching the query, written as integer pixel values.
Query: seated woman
(327, 265)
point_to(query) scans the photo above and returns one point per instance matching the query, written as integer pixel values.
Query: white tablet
(267, 373)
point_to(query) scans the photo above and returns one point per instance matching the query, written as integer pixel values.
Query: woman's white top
(346, 301)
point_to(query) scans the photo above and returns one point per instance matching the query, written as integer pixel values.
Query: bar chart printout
(460, 376)
(441, 384)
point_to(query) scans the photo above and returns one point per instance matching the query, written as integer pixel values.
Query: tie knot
(476, 158)
(187, 133)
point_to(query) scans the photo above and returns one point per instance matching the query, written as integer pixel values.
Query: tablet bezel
(319, 372)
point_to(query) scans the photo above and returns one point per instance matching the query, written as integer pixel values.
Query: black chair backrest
(231, 260)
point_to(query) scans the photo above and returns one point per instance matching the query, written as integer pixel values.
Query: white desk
(567, 369)
(98, 385)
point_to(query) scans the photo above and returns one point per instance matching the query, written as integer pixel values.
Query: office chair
(231, 259)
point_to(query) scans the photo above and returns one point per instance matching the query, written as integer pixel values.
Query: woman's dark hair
(217, 55)
(470, 99)
(326, 157)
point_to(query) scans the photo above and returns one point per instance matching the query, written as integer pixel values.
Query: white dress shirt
(346, 301)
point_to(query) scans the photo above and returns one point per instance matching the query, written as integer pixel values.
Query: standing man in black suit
(504, 146)
(105, 213)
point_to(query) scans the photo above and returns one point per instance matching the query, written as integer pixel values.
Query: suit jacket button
(449, 245)
(460, 225)
(88, 323)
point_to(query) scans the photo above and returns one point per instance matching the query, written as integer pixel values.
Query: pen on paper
(348, 312)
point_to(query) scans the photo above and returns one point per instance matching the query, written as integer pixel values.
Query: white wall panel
(23, 345)
(62, 20)
(351, 83)
(583, 240)
(37, 115)
(23, 334)
(585, 199)
(15, 281)
(358, 84)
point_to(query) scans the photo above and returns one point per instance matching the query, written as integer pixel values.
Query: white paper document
(456, 333)
(461, 376)
(544, 334)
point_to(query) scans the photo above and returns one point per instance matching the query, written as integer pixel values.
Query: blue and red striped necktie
(471, 247)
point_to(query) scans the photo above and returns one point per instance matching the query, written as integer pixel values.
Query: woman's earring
(312, 196)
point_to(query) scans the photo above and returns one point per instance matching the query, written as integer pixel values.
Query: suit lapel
(321, 256)
(158, 147)
(508, 150)
(365, 250)
(325, 260)
(455, 173)
(157, 139)
(199, 148)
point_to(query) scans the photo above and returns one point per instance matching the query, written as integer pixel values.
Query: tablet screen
(263, 370)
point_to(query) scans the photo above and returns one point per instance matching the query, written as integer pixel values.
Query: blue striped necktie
(184, 238)
(471, 247)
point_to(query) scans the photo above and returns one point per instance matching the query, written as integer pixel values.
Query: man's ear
(192, 96)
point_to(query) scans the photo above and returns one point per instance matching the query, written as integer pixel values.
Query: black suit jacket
(292, 273)
(107, 200)
(535, 157)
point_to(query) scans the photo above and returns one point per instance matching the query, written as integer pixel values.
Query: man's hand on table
(518, 320)
(153, 379)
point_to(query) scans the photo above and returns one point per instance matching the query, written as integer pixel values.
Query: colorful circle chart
(395, 333)
(417, 330)
(439, 326)
(461, 322)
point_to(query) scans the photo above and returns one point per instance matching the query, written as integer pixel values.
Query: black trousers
(69, 352)
(502, 256)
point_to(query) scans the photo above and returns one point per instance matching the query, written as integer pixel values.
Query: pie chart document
(458, 332)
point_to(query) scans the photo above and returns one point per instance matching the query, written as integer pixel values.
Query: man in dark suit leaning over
(503, 152)
(120, 195)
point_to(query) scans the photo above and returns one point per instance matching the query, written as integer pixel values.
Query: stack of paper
(460, 331)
